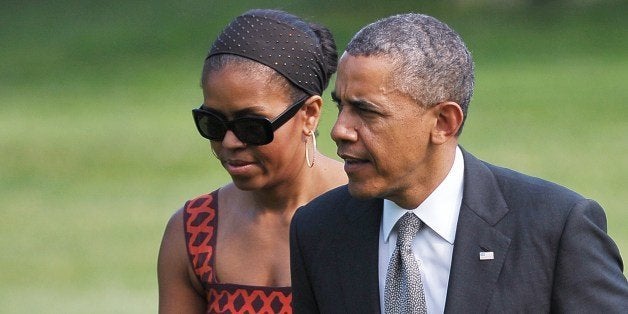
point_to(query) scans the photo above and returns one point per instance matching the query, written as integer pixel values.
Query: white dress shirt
(434, 243)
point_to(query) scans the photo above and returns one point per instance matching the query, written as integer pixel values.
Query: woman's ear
(312, 108)
(449, 117)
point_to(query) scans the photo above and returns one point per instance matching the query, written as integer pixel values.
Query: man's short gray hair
(431, 62)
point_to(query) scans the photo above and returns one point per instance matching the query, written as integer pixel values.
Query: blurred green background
(98, 148)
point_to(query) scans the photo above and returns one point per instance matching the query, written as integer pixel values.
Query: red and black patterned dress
(200, 218)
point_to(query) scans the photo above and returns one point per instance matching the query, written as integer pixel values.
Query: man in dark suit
(489, 239)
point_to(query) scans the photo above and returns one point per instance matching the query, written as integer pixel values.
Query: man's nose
(343, 129)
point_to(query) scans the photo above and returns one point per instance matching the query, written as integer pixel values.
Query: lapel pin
(485, 256)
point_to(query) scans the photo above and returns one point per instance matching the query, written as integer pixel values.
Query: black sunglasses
(249, 130)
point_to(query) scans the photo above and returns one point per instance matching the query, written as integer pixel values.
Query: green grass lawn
(98, 148)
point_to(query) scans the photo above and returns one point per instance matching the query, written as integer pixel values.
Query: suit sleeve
(303, 300)
(589, 270)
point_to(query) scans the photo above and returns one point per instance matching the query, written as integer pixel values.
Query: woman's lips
(238, 167)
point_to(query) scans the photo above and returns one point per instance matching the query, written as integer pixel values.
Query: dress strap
(199, 218)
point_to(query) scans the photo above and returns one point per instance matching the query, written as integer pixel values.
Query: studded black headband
(293, 53)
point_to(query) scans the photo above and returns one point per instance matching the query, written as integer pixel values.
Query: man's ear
(312, 109)
(449, 117)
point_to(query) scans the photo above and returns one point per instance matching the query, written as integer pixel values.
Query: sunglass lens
(253, 131)
(210, 126)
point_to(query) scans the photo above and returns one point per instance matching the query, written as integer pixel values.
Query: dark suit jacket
(551, 250)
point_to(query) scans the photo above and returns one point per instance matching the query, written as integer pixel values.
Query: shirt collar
(440, 209)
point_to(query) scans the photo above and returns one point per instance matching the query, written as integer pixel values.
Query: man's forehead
(361, 71)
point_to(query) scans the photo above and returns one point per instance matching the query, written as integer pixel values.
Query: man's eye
(366, 110)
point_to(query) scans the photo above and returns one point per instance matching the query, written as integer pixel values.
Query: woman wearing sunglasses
(262, 81)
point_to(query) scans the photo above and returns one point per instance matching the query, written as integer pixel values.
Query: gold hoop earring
(307, 154)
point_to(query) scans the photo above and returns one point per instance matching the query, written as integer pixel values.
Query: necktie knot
(409, 225)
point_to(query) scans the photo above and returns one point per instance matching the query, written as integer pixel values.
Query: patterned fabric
(200, 217)
(294, 53)
(404, 288)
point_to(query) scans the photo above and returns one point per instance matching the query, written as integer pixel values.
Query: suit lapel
(472, 280)
(357, 255)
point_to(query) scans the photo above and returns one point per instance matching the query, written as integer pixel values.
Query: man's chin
(360, 190)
